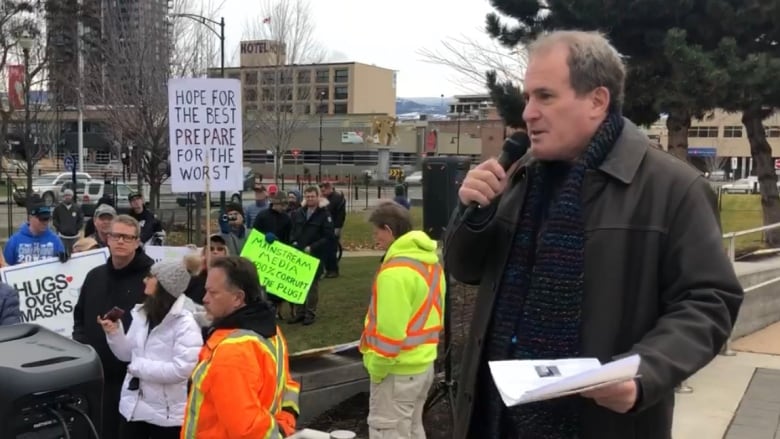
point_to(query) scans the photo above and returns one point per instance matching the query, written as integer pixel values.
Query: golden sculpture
(383, 130)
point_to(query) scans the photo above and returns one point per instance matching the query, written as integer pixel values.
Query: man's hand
(483, 183)
(307, 249)
(337, 232)
(619, 397)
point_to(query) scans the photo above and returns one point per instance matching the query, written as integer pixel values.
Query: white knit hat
(172, 274)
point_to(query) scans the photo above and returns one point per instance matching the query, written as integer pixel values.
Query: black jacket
(104, 288)
(657, 282)
(337, 206)
(259, 317)
(149, 224)
(68, 221)
(314, 232)
(271, 221)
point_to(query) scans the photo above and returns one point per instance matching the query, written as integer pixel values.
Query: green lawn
(742, 212)
(358, 233)
(343, 304)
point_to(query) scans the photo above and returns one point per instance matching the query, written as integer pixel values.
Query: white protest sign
(206, 134)
(158, 253)
(48, 290)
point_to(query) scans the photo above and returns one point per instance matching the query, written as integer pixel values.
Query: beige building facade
(719, 141)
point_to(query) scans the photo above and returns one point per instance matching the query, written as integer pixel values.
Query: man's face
(311, 199)
(278, 206)
(220, 299)
(560, 123)
(291, 198)
(137, 204)
(38, 224)
(261, 195)
(103, 223)
(326, 191)
(383, 237)
(122, 240)
(217, 248)
(67, 198)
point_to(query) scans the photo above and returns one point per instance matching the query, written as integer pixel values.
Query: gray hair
(128, 221)
(593, 62)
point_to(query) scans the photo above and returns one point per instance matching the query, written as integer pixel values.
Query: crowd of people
(591, 245)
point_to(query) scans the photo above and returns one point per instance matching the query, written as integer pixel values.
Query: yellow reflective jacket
(402, 325)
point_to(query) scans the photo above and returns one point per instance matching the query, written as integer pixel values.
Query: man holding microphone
(594, 245)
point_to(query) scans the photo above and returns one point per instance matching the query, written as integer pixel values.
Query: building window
(304, 93)
(732, 131)
(268, 95)
(286, 108)
(250, 94)
(269, 78)
(323, 76)
(772, 131)
(285, 94)
(339, 108)
(340, 93)
(250, 78)
(269, 108)
(703, 131)
(304, 76)
(322, 93)
(286, 77)
(234, 76)
(341, 75)
(304, 108)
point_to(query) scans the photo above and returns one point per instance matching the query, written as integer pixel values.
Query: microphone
(515, 147)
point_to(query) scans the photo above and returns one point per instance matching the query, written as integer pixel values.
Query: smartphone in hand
(115, 314)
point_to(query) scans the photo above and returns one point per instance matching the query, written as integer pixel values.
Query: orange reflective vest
(421, 328)
(240, 387)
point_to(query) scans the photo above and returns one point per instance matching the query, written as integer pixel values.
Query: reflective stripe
(416, 333)
(274, 348)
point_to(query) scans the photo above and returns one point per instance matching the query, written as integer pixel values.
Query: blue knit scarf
(538, 308)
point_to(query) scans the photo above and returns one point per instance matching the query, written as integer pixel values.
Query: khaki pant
(396, 406)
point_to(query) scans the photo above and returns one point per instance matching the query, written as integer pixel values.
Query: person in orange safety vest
(402, 325)
(241, 387)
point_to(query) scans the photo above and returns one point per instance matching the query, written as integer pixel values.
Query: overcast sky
(386, 33)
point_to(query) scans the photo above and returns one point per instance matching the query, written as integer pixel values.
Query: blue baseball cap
(42, 212)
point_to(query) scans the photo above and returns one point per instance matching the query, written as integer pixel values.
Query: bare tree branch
(469, 58)
(284, 98)
(26, 19)
(133, 90)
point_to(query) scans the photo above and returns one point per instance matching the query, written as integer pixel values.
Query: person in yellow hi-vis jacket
(402, 325)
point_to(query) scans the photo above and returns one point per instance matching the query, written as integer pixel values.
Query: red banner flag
(16, 86)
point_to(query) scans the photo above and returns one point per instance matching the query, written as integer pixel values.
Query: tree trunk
(761, 151)
(677, 123)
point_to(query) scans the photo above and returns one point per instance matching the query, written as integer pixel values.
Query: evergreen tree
(749, 53)
(646, 32)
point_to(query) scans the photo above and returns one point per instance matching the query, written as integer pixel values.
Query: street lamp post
(208, 23)
(457, 145)
(322, 110)
(26, 43)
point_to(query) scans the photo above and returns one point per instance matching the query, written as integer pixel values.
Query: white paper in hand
(524, 381)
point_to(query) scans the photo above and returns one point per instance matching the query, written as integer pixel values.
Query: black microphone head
(514, 148)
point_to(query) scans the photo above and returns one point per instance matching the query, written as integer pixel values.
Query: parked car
(49, 187)
(414, 178)
(249, 182)
(94, 192)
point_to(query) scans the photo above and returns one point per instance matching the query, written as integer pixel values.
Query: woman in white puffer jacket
(162, 347)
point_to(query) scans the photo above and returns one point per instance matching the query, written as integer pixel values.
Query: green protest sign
(284, 271)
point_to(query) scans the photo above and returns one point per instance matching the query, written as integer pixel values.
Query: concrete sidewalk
(719, 388)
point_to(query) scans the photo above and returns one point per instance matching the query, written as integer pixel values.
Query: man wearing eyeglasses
(119, 283)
